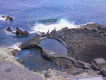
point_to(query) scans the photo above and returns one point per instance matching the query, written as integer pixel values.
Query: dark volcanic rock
(91, 26)
(14, 52)
(65, 63)
(9, 18)
(31, 42)
(19, 32)
(85, 43)
(10, 71)
(9, 29)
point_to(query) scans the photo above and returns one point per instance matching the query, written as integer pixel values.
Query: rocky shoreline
(84, 44)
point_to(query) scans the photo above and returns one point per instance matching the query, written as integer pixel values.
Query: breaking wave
(14, 46)
(61, 23)
(2, 19)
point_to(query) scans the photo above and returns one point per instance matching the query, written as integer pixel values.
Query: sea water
(46, 15)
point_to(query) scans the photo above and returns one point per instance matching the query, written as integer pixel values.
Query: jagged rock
(9, 29)
(9, 18)
(3, 16)
(84, 45)
(83, 42)
(99, 63)
(19, 32)
(91, 26)
(14, 52)
(103, 71)
(31, 42)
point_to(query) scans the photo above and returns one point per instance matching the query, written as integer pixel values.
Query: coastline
(91, 36)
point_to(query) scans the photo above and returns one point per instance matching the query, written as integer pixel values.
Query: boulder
(9, 29)
(21, 33)
(9, 18)
(3, 16)
(14, 52)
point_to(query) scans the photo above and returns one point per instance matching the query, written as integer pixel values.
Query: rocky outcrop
(18, 32)
(21, 33)
(31, 42)
(65, 63)
(84, 44)
(7, 18)
(9, 29)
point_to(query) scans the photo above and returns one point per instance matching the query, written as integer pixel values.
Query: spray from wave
(14, 46)
(61, 23)
(8, 33)
(2, 19)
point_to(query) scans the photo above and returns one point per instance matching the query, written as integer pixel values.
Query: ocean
(43, 15)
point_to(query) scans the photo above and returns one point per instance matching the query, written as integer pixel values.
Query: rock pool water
(34, 61)
(53, 46)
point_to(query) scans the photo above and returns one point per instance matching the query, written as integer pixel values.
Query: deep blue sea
(44, 15)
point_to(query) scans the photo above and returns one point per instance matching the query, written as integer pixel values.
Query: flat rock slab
(10, 71)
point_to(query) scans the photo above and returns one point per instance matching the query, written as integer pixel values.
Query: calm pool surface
(53, 46)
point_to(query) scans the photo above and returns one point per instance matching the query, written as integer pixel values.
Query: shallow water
(33, 60)
(53, 46)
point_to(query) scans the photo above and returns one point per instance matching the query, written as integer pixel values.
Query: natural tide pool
(53, 46)
(34, 61)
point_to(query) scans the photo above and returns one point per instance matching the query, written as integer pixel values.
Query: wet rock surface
(19, 32)
(31, 42)
(7, 18)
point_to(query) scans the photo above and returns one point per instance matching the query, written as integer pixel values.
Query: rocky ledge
(18, 32)
(84, 44)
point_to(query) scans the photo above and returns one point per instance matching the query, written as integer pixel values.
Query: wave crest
(61, 23)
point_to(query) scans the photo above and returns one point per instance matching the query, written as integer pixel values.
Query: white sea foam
(61, 23)
(15, 46)
(2, 19)
(8, 33)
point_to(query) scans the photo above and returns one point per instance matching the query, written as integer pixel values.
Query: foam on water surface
(61, 23)
(14, 46)
(1, 18)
